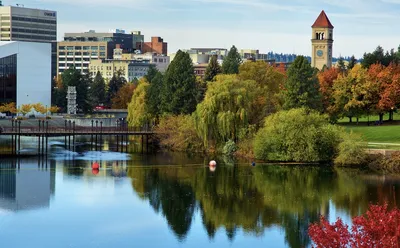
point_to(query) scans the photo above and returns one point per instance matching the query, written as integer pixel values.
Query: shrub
(378, 228)
(299, 135)
(351, 150)
(178, 133)
(229, 148)
(390, 164)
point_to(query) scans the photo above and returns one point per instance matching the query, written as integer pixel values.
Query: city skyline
(283, 27)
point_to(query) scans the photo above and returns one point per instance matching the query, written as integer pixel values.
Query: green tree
(269, 79)
(117, 81)
(151, 73)
(73, 77)
(59, 93)
(138, 114)
(179, 89)
(300, 135)
(352, 63)
(226, 109)
(97, 91)
(213, 69)
(341, 65)
(377, 56)
(301, 88)
(231, 62)
(153, 99)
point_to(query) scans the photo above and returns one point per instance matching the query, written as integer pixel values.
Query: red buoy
(95, 171)
(95, 166)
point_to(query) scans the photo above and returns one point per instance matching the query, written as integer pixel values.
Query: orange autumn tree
(123, 96)
(388, 79)
(326, 79)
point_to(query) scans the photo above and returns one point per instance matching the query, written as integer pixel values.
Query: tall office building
(78, 49)
(18, 23)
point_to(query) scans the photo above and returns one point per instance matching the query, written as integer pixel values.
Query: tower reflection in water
(26, 184)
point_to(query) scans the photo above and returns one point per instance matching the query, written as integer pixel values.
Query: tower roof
(322, 21)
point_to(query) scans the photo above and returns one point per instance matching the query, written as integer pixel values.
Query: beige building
(322, 42)
(160, 61)
(130, 69)
(79, 54)
(25, 24)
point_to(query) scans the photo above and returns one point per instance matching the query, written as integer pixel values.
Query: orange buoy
(95, 166)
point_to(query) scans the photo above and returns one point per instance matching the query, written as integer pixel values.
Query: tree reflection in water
(254, 199)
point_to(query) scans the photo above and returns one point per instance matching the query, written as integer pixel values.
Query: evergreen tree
(301, 88)
(73, 77)
(153, 95)
(213, 69)
(341, 65)
(97, 92)
(352, 63)
(116, 82)
(151, 73)
(231, 62)
(83, 87)
(179, 89)
(59, 94)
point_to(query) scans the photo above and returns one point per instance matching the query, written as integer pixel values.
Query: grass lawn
(378, 137)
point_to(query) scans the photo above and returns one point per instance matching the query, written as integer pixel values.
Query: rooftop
(322, 21)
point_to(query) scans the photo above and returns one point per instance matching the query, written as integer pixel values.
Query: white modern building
(25, 72)
(26, 189)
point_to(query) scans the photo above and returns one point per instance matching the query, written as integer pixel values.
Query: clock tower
(322, 42)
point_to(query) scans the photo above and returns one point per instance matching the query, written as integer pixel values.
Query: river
(175, 200)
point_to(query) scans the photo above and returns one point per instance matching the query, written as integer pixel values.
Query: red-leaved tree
(379, 227)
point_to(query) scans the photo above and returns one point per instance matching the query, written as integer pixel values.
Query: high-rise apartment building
(18, 23)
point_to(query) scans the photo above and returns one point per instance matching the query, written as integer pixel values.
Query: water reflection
(26, 189)
(255, 199)
(235, 202)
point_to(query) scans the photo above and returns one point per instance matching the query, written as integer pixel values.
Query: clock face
(320, 53)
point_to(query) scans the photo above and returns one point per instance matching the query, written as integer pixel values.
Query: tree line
(92, 92)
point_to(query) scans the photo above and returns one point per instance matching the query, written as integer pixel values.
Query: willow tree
(226, 108)
(138, 115)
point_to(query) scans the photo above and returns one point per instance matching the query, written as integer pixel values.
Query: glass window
(86, 53)
(78, 53)
(61, 53)
(102, 54)
(8, 79)
(94, 48)
(94, 54)
(78, 48)
(102, 48)
(70, 54)
(86, 48)
(70, 48)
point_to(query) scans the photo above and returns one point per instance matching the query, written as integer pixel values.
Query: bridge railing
(76, 129)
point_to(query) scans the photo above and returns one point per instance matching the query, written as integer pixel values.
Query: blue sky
(268, 25)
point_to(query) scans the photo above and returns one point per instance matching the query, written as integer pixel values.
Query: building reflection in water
(26, 184)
